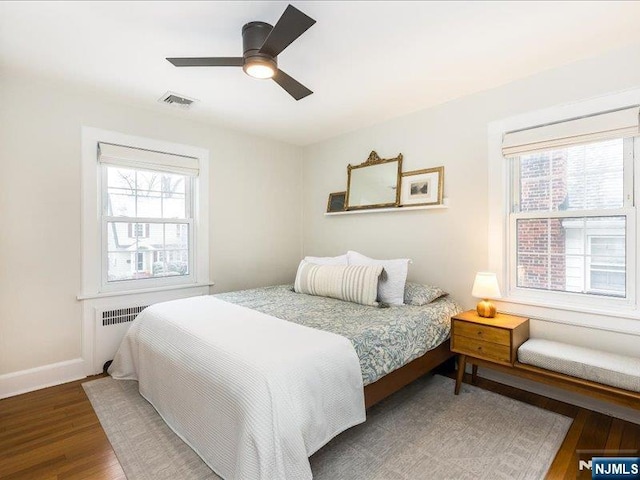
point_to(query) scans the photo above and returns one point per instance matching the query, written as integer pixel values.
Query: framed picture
(336, 202)
(422, 187)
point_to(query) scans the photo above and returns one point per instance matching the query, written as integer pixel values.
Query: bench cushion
(601, 367)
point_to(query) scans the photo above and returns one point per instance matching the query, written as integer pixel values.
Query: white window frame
(94, 258)
(553, 304)
(567, 298)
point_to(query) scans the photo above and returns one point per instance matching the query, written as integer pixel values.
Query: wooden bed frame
(394, 381)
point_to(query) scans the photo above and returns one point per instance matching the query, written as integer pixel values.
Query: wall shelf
(392, 209)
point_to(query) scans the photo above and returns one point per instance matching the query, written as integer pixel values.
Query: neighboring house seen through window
(148, 218)
(138, 230)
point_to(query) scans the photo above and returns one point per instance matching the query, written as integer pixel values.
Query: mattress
(384, 339)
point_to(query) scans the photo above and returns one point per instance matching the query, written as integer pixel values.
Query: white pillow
(339, 260)
(392, 281)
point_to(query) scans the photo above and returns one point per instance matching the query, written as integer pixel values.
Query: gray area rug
(421, 432)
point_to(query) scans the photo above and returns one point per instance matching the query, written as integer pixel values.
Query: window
(571, 223)
(145, 214)
(569, 218)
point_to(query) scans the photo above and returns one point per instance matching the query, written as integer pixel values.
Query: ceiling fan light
(260, 66)
(260, 70)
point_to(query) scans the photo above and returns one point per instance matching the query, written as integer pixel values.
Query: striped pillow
(352, 283)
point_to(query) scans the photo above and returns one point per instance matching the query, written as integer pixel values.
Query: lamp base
(486, 309)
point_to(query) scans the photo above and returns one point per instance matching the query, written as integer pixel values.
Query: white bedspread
(253, 395)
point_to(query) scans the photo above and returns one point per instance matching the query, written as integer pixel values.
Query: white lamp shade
(486, 286)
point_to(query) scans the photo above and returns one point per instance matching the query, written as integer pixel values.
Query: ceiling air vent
(176, 100)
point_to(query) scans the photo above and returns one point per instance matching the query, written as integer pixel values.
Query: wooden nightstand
(480, 340)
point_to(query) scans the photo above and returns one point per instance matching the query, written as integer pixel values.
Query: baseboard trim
(562, 395)
(24, 381)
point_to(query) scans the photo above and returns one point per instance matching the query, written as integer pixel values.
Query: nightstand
(480, 340)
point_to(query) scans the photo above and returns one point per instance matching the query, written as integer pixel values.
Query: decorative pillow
(339, 260)
(418, 294)
(391, 285)
(352, 283)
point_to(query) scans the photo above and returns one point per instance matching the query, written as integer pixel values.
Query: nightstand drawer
(481, 349)
(482, 332)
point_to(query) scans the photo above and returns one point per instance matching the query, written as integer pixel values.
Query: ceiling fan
(262, 43)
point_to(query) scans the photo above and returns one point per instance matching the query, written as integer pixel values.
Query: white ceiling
(365, 61)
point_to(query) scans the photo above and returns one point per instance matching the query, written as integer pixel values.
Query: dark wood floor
(55, 434)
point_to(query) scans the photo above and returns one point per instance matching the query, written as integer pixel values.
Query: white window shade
(605, 126)
(147, 159)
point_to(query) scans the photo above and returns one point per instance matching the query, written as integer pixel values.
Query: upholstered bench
(601, 374)
(601, 367)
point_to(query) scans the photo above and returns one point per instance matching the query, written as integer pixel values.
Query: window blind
(147, 159)
(605, 126)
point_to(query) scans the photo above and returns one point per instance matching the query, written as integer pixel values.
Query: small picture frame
(336, 202)
(422, 187)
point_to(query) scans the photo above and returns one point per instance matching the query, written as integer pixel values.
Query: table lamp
(486, 287)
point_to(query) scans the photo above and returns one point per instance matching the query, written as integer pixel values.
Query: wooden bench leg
(474, 373)
(462, 363)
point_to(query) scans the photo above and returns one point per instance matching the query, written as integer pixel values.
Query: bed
(385, 339)
(254, 395)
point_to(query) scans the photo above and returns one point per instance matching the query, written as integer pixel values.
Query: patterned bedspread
(385, 339)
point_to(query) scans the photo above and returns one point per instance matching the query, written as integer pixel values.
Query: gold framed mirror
(374, 183)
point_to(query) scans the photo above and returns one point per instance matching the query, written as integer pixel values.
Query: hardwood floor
(55, 434)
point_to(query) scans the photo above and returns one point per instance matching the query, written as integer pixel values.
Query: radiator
(110, 328)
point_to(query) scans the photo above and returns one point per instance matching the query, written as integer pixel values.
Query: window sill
(90, 296)
(624, 320)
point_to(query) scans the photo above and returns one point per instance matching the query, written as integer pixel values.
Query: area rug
(422, 432)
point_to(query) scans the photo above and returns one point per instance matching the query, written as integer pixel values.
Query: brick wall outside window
(584, 177)
(541, 242)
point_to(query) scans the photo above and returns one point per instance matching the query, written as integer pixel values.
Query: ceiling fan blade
(290, 26)
(292, 86)
(207, 62)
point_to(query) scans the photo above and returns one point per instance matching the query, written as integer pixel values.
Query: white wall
(255, 212)
(449, 246)
(256, 218)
